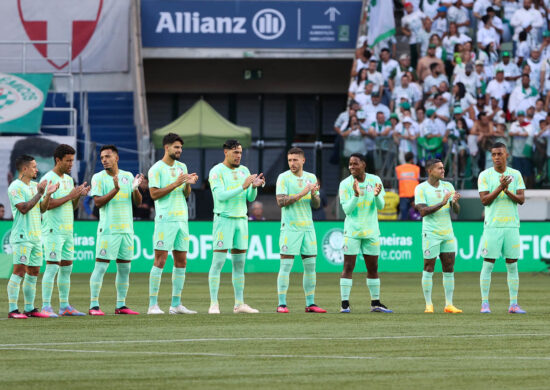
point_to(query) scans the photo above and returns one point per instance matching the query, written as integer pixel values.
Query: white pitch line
(282, 356)
(366, 338)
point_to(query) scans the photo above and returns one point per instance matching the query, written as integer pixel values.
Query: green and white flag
(22, 99)
(381, 21)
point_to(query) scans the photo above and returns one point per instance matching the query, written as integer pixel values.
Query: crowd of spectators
(473, 73)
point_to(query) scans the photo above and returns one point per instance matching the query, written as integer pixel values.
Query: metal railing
(25, 51)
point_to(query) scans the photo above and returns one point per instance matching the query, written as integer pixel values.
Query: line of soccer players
(361, 195)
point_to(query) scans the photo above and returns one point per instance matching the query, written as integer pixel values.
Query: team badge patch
(23, 259)
(284, 248)
(103, 252)
(426, 252)
(484, 251)
(52, 255)
(124, 180)
(160, 243)
(370, 188)
(345, 248)
(219, 244)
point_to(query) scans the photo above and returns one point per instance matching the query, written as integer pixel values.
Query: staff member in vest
(407, 175)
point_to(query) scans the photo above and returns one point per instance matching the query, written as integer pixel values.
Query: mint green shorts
(433, 245)
(230, 233)
(115, 247)
(170, 236)
(58, 247)
(367, 246)
(497, 242)
(27, 253)
(295, 243)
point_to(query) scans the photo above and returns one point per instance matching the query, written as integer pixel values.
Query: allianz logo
(267, 24)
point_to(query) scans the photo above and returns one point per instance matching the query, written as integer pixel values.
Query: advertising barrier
(250, 24)
(401, 247)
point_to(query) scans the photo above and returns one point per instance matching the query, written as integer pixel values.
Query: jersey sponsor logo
(333, 246)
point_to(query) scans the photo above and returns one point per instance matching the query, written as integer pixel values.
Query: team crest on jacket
(124, 180)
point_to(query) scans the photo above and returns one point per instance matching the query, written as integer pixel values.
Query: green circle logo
(333, 246)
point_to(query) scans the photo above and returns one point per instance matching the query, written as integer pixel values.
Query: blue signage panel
(250, 24)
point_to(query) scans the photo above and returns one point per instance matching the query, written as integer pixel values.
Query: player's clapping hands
(456, 197)
(41, 187)
(51, 188)
(356, 187)
(505, 181)
(190, 178)
(259, 181)
(447, 197)
(377, 189)
(249, 181)
(315, 189)
(115, 182)
(137, 181)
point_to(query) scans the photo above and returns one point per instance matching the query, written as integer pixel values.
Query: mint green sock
(374, 288)
(122, 283)
(513, 282)
(427, 284)
(64, 285)
(178, 280)
(485, 280)
(345, 288)
(218, 260)
(29, 291)
(13, 291)
(449, 287)
(283, 279)
(48, 281)
(238, 260)
(96, 281)
(309, 280)
(155, 277)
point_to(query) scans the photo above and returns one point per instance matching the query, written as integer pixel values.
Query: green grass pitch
(405, 350)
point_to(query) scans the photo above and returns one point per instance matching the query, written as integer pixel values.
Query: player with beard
(170, 185)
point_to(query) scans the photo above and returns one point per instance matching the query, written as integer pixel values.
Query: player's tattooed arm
(286, 200)
(424, 209)
(518, 198)
(25, 207)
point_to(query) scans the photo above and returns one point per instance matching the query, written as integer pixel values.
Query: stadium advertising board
(401, 249)
(250, 24)
(22, 99)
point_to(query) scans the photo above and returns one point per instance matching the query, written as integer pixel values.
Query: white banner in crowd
(97, 31)
(382, 12)
(41, 148)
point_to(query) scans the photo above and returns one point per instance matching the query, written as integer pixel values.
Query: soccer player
(361, 196)
(232, 185)
(113, 191)
(501, 190)
(433, 200)
(27, 202)
(297, 192)
(57, 232)
(169, 185)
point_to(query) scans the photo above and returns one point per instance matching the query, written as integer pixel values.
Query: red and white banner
(95, 31)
